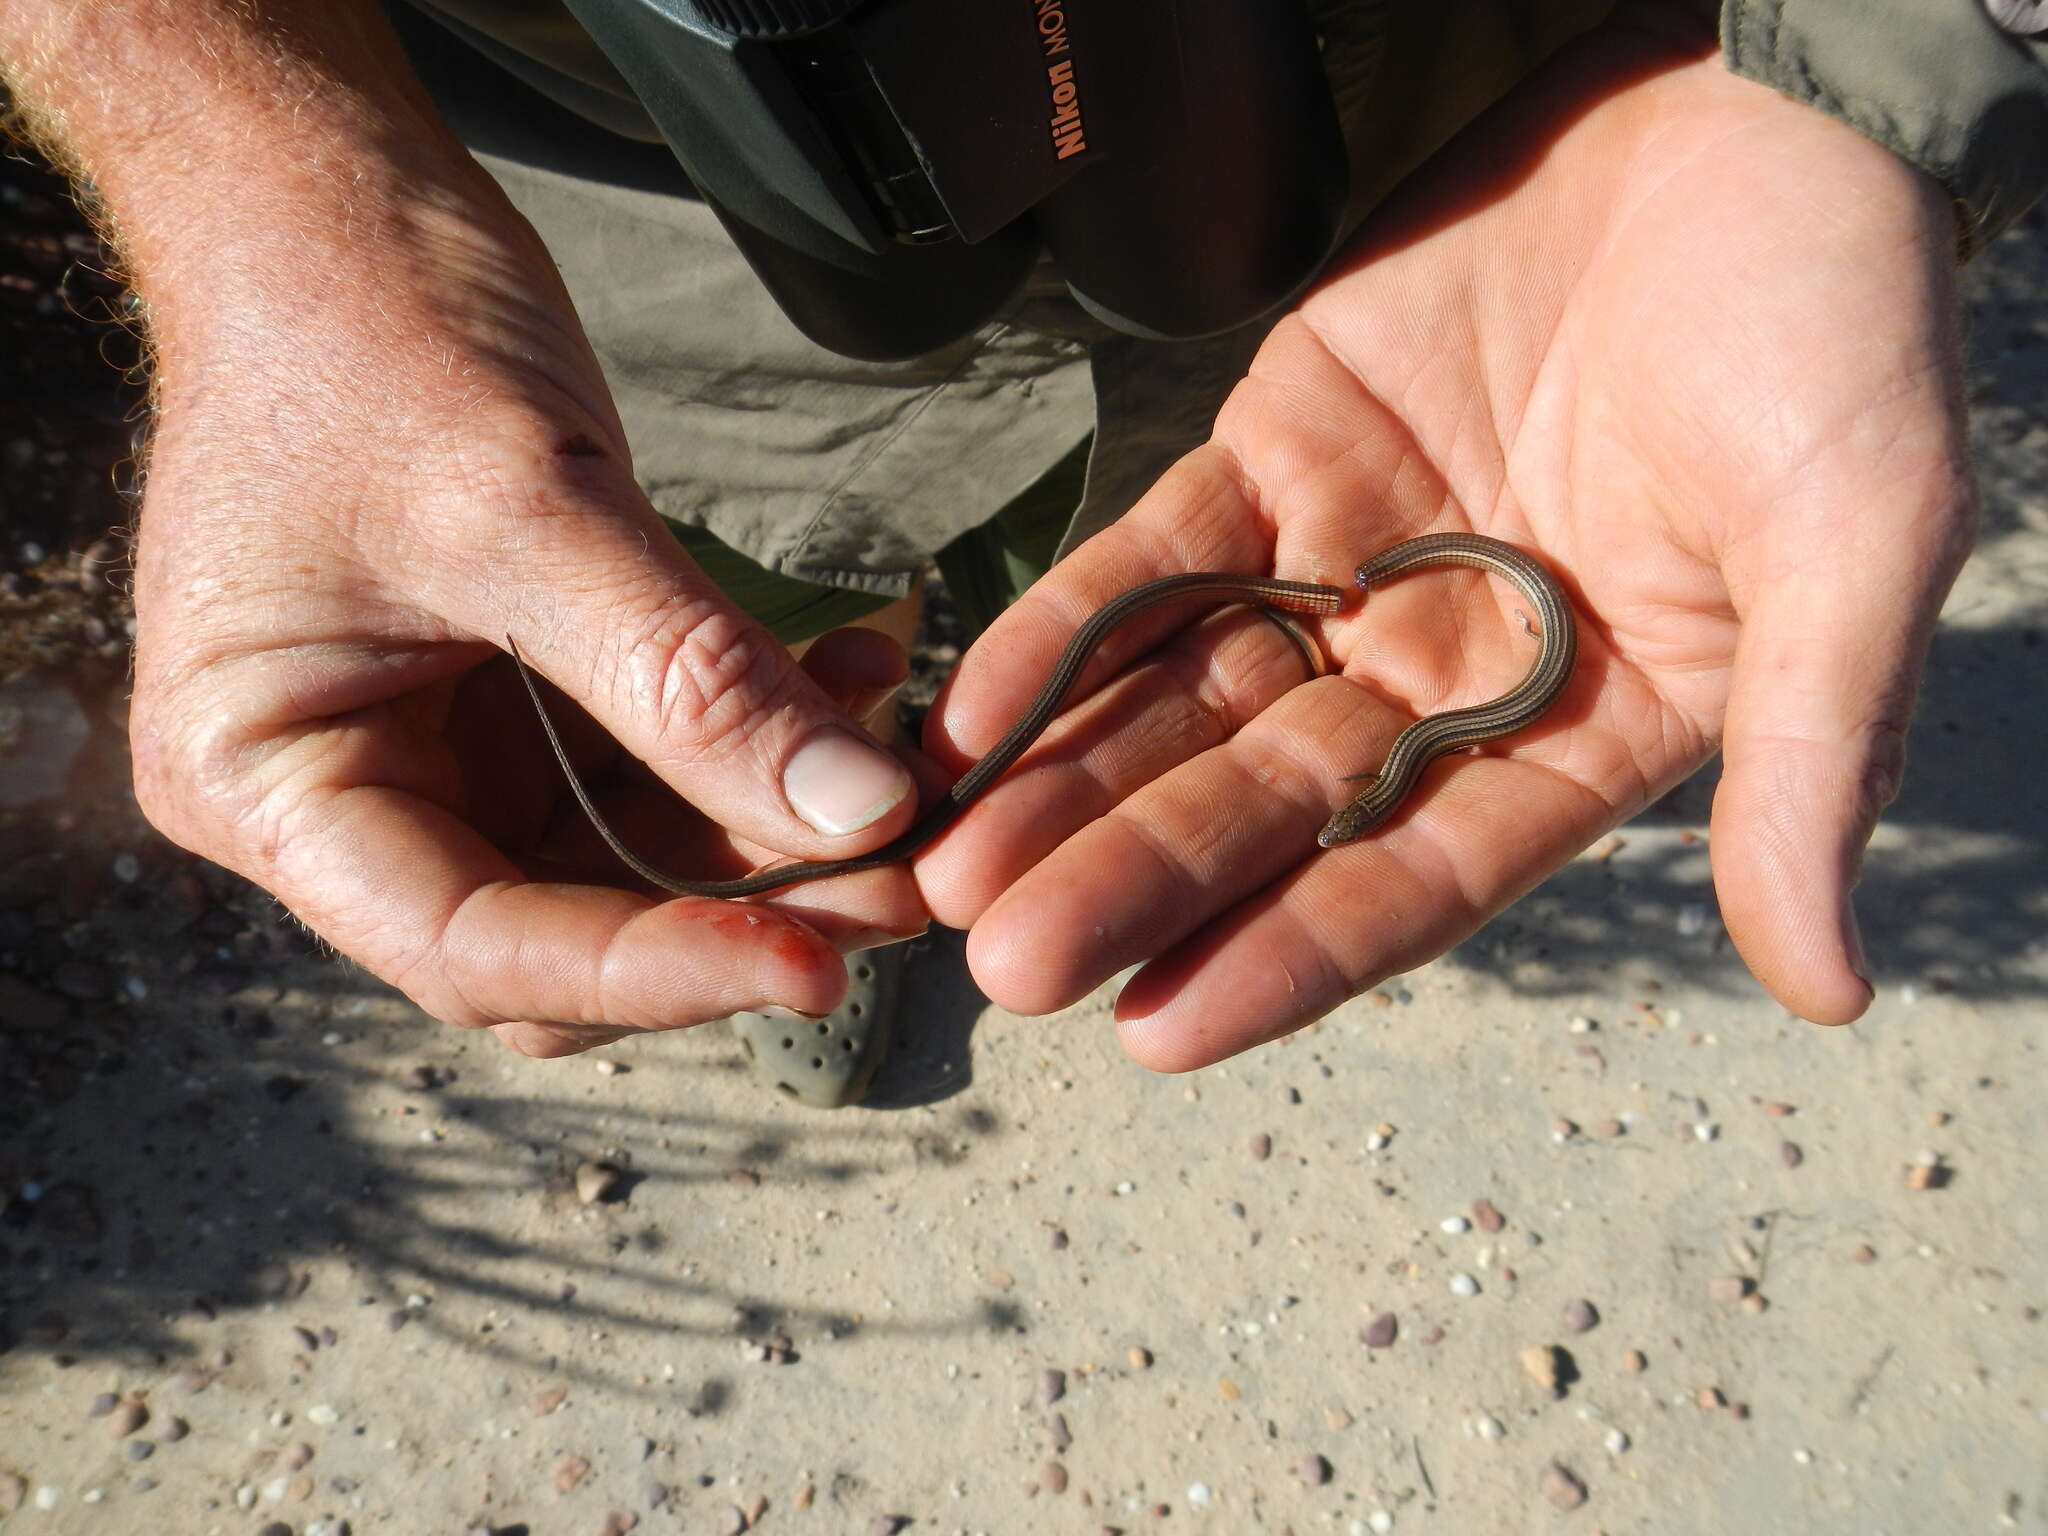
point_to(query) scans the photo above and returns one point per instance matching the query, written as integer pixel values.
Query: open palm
(1687, 341)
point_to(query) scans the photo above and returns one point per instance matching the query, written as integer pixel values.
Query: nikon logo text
(1065, 123)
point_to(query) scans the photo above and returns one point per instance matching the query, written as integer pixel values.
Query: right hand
(354, 494)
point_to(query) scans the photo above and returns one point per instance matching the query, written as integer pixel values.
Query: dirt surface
(1573, 1214)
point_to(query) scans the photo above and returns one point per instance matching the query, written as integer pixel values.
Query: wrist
(244, 161)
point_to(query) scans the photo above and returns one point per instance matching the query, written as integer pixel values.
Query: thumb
(1825, 675)
(611, 611)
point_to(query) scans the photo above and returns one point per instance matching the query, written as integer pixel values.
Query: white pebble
(136, 988)
(1692, 919)
(1455, 1224)
(1489, 1427)
(323, 1413)
(274, 1490)
(1375, 1142)
(332, 1037)
(1463, 1284)
(1803, 1456)
(127, 868)
(1617, 1442)
(1706, 1130)
(93, 1495)
(1581, 1025)
(1125, 1186)
(32, 553)
(245, 1496)
(47, 1496)
(1928, 1158)
(1379, 1522)
(1199, 1495)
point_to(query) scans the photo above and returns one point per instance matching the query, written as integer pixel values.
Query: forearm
(240, 154)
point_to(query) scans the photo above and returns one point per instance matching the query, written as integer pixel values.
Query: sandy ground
(333, 1256)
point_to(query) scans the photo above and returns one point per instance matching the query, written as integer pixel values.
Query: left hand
(1690, 343)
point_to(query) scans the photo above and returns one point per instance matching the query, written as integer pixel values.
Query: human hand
(382, 445)
(1689, 342)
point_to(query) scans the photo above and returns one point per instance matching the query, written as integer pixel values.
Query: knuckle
(711, 678)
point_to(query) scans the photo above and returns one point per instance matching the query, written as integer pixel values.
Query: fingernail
(1852, 940)
(871, 938)
(840, 784)
(793, 1015)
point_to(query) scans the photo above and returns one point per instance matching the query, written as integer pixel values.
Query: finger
(1184, 853)
(1192, 693)
(607, 606)
(425, 903)
(1198, 518)
(1820, 698)
(534, 816)
(1344, 920)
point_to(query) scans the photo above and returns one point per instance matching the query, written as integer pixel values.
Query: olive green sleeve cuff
(1938, 82)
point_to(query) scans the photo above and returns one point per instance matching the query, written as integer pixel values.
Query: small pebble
(1863, 1253)
(173, 1430)
(48, 1497)
(1057, 1432)
(1728, 1288)
(1706, 1130)
(1053, 1477)
(1543, 1364)
(1617, 1442)
(1314, 1470)
(1462, 1284)
(1563, 1130)
(618, 1522)
(103, 1405)
(308, 1339)
(13, 1492)
(1488, 1218)
(570, 1471)
(1710, 1397)
(1580, 1314)
(886, 1525)
(323, 1413)
(1777, 1110)
(1379, 1522)
(190, 1383)
(1581, 1025)
(1139, 1356)
(138, 1450)
(1262, 1147)
(1488, 1427)
(1632, 1361)
(1200, 1496)
(296, 1455)
(1803, 1456)
(148, 1485)
(1562, 1487)
(1609, 1129)
(733, 1521)
(1455, 1225)
(1052, 1386)
(596, 1182)
(275, 1528)
(1937, 1118)
(1382, 1331)
(1790, 1154)
(1755, 1302)
(127, 1417)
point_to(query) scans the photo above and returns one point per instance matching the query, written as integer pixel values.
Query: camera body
(892, 169)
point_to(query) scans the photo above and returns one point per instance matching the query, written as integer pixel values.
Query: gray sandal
(829, 1063)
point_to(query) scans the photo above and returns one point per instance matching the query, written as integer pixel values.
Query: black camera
(893, 168)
